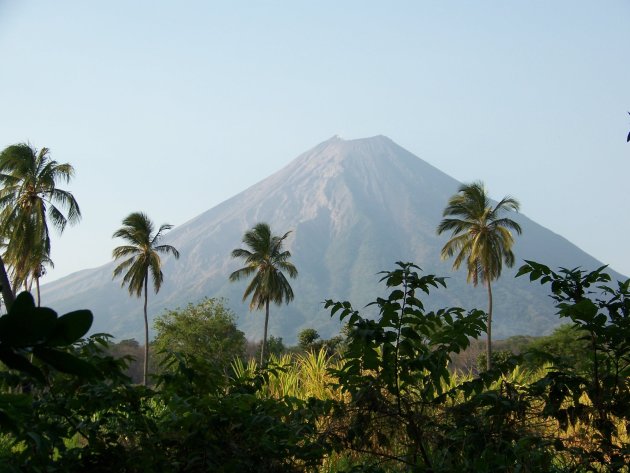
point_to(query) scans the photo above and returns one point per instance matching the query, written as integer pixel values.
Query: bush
(590, 396)
(308, 337)
(206, 330)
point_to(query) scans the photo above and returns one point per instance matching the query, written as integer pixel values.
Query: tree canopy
(206, 330)
(31, 201)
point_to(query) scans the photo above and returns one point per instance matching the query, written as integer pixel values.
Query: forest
(399, 392)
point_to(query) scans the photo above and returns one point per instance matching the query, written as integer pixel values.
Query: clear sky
(173, 107)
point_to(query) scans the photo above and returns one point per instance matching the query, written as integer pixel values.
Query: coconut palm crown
(266, 261)
(141, 259)
(29, 200)
(481, 239)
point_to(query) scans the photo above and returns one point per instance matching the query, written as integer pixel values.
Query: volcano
(354, 208)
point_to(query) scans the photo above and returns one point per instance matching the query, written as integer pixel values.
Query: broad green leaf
(23, 301)
(523, 270)
(27, 327)
(18, 362)
(70, 327)
(65, 362)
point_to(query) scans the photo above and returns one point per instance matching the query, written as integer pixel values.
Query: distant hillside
(354, 208)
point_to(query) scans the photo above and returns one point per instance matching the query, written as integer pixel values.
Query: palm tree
(480, 238)
(142, 255)
(266, 260)
(29, 199)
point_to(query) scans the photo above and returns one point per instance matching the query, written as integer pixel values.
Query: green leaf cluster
(206, 330)
(27, 329)
(395, 403)
(57, 416)
(396, 369)
(596, 392)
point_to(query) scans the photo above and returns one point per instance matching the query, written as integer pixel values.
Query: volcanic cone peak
(354, 207)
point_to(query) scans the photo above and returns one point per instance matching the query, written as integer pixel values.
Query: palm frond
(507, 223)
(243, 273)
(118, 270)
(455, 225)
(289, 268)
(480, 237)
(507, 204)
(58, 219)
(67, 200)
(241, 253)
(155, 266)
(134, 279)
(266, 260)
(29, 200)
(163, 228)
(167, 249)
(123, 251)
(130, 235)
(144, 260)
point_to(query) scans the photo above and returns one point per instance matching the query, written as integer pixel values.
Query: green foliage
(406, 410)
(206, 330)
(199, 420)
(481, 237)
(566, 345)
(68, 395)
(266, 261)
(275, 347)
(499, 356)
(309, 340)
(406, 347)
(30, 203)
(29, 330)
(395, 369)
(132, 352)
(76, 423)
(391, 403)
(220, 424)
(307, 337)
(596, 394)
(333, 346)
(141, 253)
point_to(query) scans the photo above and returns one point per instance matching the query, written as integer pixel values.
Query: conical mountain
(354, 207)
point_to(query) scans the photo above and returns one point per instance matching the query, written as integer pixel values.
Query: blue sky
(173, 107)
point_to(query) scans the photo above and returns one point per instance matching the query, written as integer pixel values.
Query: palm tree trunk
(264, 342)
(489, 329)
(37, 287)
(146, 333)
(7, 292)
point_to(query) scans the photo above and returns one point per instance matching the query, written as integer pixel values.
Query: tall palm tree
(29, 200)
(142, 253)
(266, 260)
(480, 238)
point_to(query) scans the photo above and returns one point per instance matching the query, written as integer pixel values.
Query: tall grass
(302, 375)
(308, 375)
